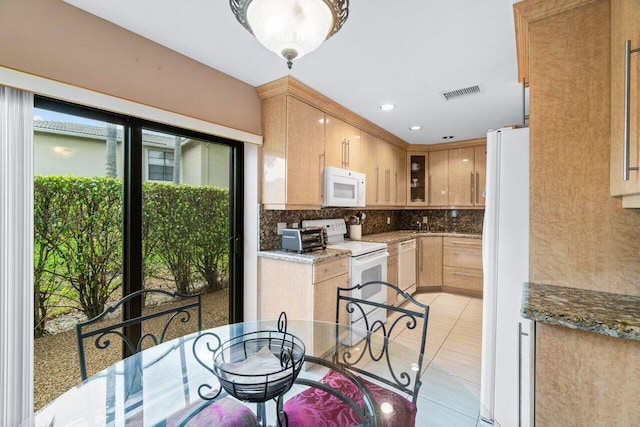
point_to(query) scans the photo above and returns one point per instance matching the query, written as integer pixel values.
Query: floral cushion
(225, 412)
(314, 407)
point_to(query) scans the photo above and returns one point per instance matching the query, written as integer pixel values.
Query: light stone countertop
(604, 313)
(402, 235)
(314, 257)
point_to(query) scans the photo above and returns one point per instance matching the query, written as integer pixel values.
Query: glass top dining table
(150, 387)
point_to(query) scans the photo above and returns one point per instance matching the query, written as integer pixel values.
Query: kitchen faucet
(419, 224)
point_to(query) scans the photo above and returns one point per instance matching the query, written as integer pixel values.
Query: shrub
(78, 239)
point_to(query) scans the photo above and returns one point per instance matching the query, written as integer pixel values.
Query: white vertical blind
(16, 255)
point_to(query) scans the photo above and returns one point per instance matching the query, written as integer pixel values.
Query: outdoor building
(80, 149)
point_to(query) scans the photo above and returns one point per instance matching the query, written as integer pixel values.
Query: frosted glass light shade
(290, 28)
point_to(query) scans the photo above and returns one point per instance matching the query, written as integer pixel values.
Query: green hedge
(78, 240)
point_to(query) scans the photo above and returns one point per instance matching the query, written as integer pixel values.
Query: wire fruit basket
(259, 366)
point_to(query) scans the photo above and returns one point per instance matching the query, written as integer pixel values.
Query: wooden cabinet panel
(438, 183)
(369, 160)
(462, 265)
(400, 176)
(626, 16)
(429, 262)
(461, 177)
(392, 276)
(341, 144)
(293, 148)
(325, 298)
(327, 270)
(463, 258)
(462, 279)
(481, 174)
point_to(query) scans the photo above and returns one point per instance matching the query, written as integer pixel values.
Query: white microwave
(343, 188)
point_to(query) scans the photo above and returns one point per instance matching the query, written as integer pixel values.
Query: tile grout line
(449, 333)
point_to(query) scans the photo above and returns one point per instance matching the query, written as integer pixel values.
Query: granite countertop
(401, 235)
(604, 313)
(315, 257)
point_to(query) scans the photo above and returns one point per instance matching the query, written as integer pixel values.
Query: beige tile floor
(449, 396)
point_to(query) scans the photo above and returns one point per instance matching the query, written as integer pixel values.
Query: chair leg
(262, 414)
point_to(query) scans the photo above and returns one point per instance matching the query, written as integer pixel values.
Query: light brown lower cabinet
(304, 292)
(429, 263)
(462, 265)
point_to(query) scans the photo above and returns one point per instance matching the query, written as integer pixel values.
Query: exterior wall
(57, 154)
(580, 235)
(216, 165)
(191, 171)
(55, 40)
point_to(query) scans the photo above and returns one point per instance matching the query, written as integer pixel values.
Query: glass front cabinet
(418, 183)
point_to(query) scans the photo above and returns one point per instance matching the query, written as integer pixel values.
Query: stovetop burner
(336, 230)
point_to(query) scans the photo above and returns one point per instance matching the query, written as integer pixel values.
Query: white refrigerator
(506, 377)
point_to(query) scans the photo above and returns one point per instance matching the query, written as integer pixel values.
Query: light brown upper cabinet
(400, 176)
(625, 114)
(418, 179)
(480, 181)
(342, 144)
(461, 177)
(467, 176)
(438, 181)
(304, 131)
(292, 154)
(369, 159)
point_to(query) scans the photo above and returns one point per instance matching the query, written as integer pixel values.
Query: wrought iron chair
(225, 412)
(324, 405)
(182, 313)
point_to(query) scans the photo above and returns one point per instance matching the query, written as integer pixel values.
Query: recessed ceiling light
(415, 127)
(448, 137)
(387, 107)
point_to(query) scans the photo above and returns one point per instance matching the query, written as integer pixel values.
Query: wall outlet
(281, 226)
(388, 220)
(425, 220)
(294, 225)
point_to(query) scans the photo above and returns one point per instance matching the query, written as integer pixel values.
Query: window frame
(134, 173)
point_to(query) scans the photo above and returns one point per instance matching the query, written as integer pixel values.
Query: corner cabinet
(626, 16)
(293, 148)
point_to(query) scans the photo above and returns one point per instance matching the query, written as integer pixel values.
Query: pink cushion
(225, 412)
(314, 407)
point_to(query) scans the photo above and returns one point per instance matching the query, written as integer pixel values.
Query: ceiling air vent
(457, 93)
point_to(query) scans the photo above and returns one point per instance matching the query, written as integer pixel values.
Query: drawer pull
(458, 273)
(336, 268)
(460, 242)
(465, 253)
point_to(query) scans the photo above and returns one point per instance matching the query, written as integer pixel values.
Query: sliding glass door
(123, 204)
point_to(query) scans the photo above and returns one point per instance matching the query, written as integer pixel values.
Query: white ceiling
(403, 52)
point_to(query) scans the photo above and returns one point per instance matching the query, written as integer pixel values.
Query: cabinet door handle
(429, 198)
(520, 335)
(459, 273)
(397, 188)
(343, 155)
(421, 254)
(387, 186)
(471, 187)
(377, 182)
(321, 165)
(348, 154)
(477, 187)
(627, 111)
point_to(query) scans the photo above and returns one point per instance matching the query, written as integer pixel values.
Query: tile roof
(98, 131)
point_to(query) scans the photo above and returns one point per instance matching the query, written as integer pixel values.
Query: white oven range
(368, 263)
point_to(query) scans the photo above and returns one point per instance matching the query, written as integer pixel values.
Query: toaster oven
(304, 239)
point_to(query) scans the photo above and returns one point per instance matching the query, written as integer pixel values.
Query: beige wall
(56, 154)
(53, 39)
(580, 235)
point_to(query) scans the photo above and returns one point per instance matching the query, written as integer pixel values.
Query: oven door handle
(365, 259)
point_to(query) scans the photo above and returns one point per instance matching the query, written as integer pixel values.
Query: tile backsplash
(439, 220)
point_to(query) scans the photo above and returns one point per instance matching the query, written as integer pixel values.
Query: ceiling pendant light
(291, 28)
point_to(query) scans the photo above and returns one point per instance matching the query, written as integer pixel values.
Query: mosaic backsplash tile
(439, 220)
